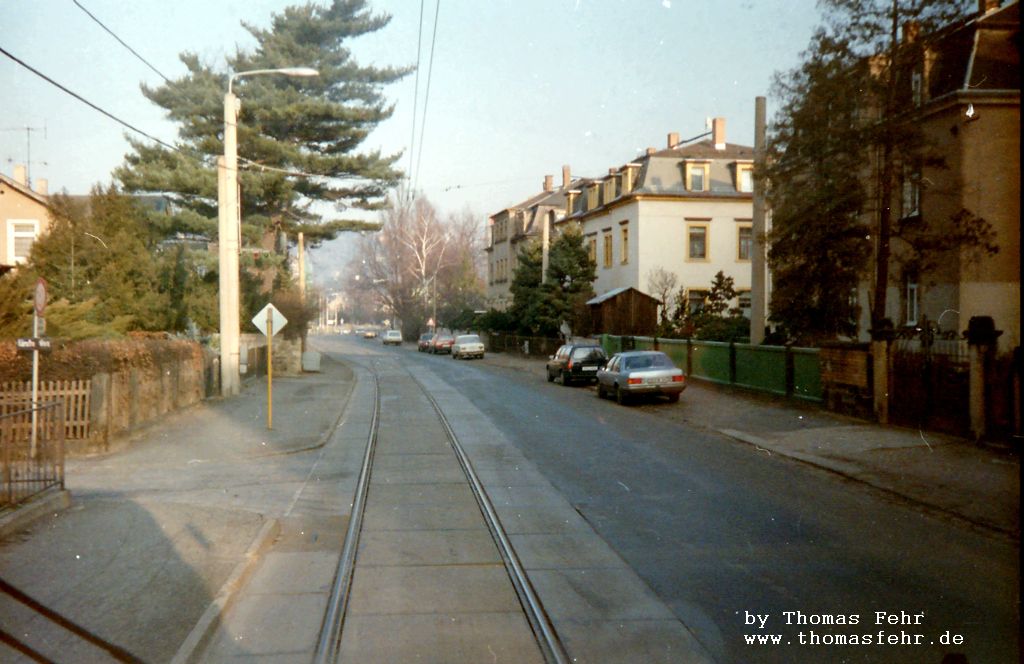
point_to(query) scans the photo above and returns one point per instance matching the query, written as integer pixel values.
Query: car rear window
(468, 339)
(659, 361)
(584, 354)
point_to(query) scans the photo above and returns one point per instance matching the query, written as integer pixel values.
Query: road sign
(33, 343)
(276, 318)
(40, 296)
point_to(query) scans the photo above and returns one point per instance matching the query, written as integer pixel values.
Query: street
(742, 546)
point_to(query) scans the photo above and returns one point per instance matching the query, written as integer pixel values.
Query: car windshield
(444, 337)
(467, 339)
(640, 362)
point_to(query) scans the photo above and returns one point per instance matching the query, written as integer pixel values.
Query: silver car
(640, 372)
(467, 346)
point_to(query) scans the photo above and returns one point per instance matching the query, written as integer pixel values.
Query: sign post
(39, 306)
(269, 321)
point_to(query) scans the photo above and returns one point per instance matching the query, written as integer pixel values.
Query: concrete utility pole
(229, 232)
(759, 273)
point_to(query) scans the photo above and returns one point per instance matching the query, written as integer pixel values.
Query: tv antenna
(28, 147)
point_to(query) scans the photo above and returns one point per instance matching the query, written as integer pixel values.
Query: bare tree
(662, 284)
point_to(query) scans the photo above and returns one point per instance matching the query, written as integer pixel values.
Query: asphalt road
(724, 533)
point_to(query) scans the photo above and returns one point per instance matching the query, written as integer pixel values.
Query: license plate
(657, 381)
(590, 368)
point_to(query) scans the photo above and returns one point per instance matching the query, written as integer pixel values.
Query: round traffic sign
(40, 296)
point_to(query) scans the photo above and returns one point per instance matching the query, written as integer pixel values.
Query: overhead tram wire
(121, 41)
(87, 102)
(415, 98)
(426, 96)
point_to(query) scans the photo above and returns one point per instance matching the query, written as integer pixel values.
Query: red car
(441, 343)
(423, 345)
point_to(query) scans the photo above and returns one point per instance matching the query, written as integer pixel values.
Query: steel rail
(334, 618)
(547, 638)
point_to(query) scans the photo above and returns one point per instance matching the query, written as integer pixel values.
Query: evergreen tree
(287, 126)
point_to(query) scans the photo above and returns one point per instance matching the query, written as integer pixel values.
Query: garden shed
(624, 311)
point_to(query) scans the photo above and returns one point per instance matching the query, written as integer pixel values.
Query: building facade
(24, 216)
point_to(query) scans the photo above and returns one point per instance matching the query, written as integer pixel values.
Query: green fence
(777, 369)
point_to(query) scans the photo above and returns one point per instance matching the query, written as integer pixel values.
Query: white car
(467, 346)
(392, 337)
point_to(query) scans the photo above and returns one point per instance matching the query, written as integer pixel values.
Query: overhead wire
(121, 41)
(415, 97)
(426, 96)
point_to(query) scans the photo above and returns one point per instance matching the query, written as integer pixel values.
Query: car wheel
(566, 380)
(620, 396)
(551, 376)
(600, 390)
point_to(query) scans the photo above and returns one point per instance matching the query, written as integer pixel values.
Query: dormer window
(697, 176)
(744, 178)
(592, 196)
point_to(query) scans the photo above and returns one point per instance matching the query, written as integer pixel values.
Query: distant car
(640, 372)
(441, 343)
(370, 334)
(576, 363)
(467, 346)
(392, 337)
(423, 345)
(346, 331)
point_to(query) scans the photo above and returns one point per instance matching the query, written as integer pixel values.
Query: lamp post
(229, 230)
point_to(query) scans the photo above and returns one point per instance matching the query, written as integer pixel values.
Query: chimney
(549, 182)
(650, 151)
(566, 176)
(985, 6)
(718, 133)
(20, 175)
(673, 140)
(42, 187)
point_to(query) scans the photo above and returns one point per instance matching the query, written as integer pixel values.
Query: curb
(22, 516)
(204, 629)
(849, 472)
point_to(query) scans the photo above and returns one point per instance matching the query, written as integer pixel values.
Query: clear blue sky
(519, 87)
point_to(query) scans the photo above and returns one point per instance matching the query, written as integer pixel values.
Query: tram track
(332, 628)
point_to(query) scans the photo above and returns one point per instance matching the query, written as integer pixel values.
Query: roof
(23, 189)
(979, 54)
(615, 292)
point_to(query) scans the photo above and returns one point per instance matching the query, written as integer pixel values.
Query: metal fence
(31, 451)
(930, 382)
(528, 346)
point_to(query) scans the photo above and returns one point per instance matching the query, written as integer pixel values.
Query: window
(915, 87)
(624, 231)
(911, 198)
(592, 249)
(912, 303)
(607, 249)
(744, 178)
(21, 234)
(697, 177)
(745, 242)
(695, 300)
(697, 242)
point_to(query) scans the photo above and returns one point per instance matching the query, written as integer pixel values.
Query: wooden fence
(74, 394)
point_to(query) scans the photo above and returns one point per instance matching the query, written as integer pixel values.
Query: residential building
(686, 209)
(966, 89)
(509, 230)
(24, 216)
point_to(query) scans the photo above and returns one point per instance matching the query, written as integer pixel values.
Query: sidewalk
(976, 484)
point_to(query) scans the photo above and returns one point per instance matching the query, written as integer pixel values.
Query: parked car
(441, 343)
(370, 334)
(640, 372)
(423, 345)
(576, 363)
(392, 337)
(467, 346)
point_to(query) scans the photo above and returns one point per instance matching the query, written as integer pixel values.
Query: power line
(87, 102)
(121, 41)
(415, 94)
(426, 96)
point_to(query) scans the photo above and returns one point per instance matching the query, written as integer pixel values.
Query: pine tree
(287, 126)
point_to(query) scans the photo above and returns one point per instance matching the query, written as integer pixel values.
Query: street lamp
(229, 230)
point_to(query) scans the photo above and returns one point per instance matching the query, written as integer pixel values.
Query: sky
(517, 89)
